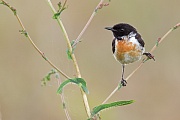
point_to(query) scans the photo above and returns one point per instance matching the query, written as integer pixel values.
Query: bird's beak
(110, 28)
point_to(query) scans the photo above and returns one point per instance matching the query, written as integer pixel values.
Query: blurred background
(155, 87)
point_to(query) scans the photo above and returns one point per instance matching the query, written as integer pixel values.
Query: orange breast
(124, 46)
(127, 52)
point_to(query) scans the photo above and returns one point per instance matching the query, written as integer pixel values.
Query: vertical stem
(85, 100)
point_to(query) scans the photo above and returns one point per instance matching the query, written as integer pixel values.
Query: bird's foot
(123, 82)
(149, 55)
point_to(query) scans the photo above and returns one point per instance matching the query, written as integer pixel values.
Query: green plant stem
(78, 74)
(140, 65)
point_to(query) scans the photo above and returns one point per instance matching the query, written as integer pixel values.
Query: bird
(127, 46)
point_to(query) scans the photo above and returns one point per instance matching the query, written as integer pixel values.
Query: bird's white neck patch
(131, 38)
(131, 34)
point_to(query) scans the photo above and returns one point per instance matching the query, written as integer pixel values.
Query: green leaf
(48, 77)
(78, 81)
(99, 108)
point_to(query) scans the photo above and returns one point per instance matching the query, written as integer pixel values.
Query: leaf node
(61, 8)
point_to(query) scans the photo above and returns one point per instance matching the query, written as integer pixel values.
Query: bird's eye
(122, 30)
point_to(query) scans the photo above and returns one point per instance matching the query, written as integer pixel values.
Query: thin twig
(31, 41)
(140, 65)
(87, 24)
(112, 93)
(161, 39)
(85, 100)
(62, 98)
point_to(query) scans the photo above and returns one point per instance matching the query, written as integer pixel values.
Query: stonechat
(127, 46)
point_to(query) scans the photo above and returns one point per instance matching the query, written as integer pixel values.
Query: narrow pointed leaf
(78, 81)
(99, 108)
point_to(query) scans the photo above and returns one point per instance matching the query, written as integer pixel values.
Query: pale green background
(155, 87)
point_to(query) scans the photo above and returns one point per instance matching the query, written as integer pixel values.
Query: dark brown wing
(113, 45)
(140, 40)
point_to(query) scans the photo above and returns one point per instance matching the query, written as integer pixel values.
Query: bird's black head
(121, 29)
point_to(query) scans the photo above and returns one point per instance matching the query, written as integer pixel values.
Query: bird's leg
(123, 81)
